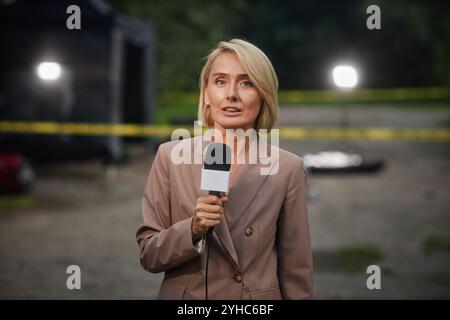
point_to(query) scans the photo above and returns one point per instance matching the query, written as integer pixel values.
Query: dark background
(304, 38)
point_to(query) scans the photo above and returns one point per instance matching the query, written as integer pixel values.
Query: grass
(180, 107)
(11, 202)
(435, 243)
(357, 258)
(173, 113)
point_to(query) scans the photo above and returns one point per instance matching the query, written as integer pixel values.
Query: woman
(260, 247)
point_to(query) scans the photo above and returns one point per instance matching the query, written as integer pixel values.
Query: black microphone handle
(209, 233)
(211, 229)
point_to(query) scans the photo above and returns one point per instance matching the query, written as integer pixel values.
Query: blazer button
(238, 278)
(249, 231)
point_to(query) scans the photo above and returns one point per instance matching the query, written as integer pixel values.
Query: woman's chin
(233, 125)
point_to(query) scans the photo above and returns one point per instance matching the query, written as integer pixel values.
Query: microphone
(215, 175)
(216, 171)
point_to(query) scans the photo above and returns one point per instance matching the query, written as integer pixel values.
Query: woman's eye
(220, 82)
(247, 84)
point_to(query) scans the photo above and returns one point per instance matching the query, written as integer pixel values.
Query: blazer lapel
(247, 182)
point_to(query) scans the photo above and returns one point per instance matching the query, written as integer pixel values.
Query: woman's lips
(231, 111)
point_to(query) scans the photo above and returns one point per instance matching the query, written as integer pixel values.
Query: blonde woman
(260, 247)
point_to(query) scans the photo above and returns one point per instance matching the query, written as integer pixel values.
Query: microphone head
(216, 168)
(218, 157)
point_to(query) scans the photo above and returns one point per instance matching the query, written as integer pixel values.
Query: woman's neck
(238, 144)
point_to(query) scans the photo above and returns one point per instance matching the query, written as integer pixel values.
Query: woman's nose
(232, 94)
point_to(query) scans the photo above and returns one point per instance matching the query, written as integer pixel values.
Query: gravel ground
(81, 214)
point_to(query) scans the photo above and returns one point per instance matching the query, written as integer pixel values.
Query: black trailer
(101, 73)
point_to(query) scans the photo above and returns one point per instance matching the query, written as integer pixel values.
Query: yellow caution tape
(164, 131)
(421, 134)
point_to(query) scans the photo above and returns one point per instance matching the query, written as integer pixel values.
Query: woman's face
(233, 99)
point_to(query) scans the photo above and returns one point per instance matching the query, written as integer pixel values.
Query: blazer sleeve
(163, 245)
(295, 262)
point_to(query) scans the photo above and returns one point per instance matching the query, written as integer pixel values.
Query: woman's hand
(208, 211)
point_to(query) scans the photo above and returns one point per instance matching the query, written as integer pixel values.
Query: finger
(209, 208)
(212, 199)
(209, 223)
(209, 216)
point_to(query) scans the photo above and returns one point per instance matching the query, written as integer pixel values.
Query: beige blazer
(260, 249)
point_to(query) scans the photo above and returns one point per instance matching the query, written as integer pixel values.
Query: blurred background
(82, 112)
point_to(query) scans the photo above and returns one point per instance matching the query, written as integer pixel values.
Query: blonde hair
(261, 74)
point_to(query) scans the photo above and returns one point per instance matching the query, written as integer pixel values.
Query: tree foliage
(304, 39)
